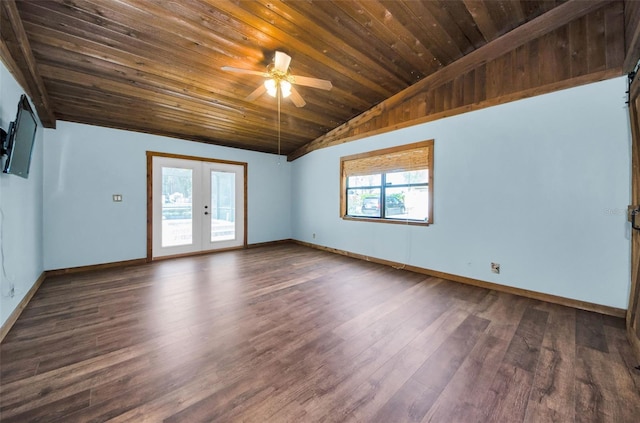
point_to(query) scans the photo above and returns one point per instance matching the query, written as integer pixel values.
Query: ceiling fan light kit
(272, 86)
(279, 83)
(279, 79)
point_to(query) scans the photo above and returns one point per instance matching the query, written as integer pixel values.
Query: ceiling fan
(280, 81)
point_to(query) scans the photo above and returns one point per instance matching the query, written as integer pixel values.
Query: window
(393, 185)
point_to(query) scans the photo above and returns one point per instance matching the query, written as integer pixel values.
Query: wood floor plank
(462, 399)
(339, 377)
(594, 399)
(53, 410)
(504, 311)
(524, 349)
(623, 355)
(374, 363)
(436, 372)
(378, 312)
(351, 350)
(17, 368)
(236, 396)
(378, 389)
(590, 330)
(553, 389)
(438, 369)
(507, 399)
(409, 404)
(286, 333)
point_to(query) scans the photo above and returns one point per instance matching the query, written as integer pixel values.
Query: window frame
(428, 145)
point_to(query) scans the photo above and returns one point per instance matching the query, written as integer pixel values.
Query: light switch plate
(117, 198)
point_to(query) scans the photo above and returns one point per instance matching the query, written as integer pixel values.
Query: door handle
(634, 211)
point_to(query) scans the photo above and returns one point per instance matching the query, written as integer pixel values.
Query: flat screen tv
(18, 144)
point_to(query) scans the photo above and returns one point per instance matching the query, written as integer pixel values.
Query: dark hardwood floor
(286, 333)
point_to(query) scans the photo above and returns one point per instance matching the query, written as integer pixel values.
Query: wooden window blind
(396, 159)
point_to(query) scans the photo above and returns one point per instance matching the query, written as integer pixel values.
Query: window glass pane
(176, 207)
(406, 178)
(410, 203)
(364, 181)
(363, 202)
(223, 207)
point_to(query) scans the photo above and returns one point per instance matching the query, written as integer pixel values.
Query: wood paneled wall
(631, 34)
(588, 49)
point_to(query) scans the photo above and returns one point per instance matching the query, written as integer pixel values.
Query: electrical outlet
(495, 267)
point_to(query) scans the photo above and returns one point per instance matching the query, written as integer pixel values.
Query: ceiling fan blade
(246, 71)
(323, 84)
(256, 93)
(296, 98)
(281, 61)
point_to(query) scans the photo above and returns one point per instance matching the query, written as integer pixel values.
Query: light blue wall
(85, 165)
(21, 212)
(539, 185)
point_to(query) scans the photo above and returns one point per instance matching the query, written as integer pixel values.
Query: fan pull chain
(279, 95)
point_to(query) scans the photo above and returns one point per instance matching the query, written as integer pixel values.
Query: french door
(197, 206)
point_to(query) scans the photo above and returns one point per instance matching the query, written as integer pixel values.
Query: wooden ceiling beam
(16, 53)
(555, 18)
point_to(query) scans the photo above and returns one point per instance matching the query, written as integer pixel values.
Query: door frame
(150, 156)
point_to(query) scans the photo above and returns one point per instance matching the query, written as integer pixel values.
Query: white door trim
(155, 215)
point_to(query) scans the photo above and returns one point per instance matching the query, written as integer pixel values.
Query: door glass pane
(177, 208)
(223, 206)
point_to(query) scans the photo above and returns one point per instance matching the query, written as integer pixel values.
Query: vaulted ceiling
(154, 66)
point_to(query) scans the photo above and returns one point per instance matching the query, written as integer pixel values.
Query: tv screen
(20, 138)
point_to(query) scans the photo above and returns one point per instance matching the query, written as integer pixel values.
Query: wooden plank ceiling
(154, 66)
